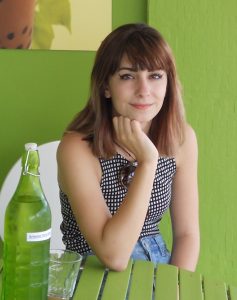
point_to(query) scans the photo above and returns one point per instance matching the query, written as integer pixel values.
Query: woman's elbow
(115, 263)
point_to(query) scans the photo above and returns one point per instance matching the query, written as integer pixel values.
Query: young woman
(128, 156)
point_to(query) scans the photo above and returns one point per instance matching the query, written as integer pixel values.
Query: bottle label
(38, 236)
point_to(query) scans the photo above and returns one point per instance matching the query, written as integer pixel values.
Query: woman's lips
(141, 106)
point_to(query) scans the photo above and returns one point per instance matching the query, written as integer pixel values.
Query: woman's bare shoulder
(73, 142)
(188, 148)
(71, 137)
(74, 157)
(74, 149)
(190, 135)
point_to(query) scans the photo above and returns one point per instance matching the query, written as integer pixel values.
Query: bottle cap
(31, 146)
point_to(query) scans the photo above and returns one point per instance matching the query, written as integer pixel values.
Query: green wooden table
(143, 280)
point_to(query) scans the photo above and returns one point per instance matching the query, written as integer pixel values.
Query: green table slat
(190, 285)
(90, 281)
(166, 282)
(214, 290)
(142, 280)
(117, 284)
(233, 293)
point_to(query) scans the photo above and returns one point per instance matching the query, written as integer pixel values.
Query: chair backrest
(48, 176)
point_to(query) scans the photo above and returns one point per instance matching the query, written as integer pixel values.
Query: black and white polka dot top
(114, 194)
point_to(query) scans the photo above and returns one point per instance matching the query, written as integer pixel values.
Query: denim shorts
(151, 248)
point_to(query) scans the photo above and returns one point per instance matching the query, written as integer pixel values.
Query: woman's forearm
(123, 229)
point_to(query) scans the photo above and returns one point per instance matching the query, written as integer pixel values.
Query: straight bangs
(144, 58)
(145, 52)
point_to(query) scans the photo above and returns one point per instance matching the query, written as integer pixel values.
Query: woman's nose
(143, 87)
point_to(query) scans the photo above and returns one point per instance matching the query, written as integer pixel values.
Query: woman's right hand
(130, 135)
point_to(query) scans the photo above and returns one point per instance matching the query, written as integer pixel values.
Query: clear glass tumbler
(63, 272)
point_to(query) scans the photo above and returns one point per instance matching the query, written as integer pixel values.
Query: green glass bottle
(27, 232)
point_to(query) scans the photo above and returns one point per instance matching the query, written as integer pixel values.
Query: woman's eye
(126, 76)
(156, 76)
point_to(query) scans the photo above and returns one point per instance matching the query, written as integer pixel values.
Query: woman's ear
(107, 93)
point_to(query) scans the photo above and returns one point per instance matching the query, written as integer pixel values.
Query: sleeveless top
(114, 194)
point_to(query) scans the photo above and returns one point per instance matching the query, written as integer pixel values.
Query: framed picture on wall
(54, 24)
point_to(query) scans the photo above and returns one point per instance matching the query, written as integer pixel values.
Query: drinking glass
(63, 271)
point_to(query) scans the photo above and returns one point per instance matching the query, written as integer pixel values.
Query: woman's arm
(112, 238)
(184, 206)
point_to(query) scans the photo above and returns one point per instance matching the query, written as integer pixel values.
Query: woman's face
(137, 94)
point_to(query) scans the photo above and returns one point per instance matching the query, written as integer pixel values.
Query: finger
(136, 127)
(121, 131)
(127, 127)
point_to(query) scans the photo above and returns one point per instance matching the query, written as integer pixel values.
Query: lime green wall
(41, 90)
(203, 37)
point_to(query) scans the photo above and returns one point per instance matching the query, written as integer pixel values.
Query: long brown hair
(145, 49)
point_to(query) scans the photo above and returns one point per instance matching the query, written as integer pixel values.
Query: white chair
(48, 176)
